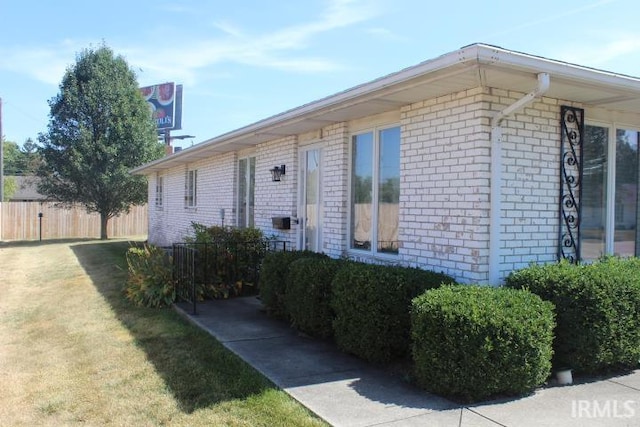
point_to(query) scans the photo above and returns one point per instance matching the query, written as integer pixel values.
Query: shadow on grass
(33, 243)
(196, 368)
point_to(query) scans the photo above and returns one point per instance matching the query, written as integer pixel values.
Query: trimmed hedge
(273, 279)
(308, 295)
(473, 342)
(372, 304)
(598, 311)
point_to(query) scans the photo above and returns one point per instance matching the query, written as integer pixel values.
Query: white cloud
(229, 29)
(551, 16)
(269, 50)
(45, 65)
(277, 49)
(385, 34)
(604, 51)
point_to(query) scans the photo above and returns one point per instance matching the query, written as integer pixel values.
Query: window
(190, 188)
(246, 191)
(159, 191)
(609, 202)
(375, 191)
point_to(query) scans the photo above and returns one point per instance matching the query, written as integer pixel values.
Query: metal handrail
(202, 270)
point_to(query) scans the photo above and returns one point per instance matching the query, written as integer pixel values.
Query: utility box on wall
(281, 222)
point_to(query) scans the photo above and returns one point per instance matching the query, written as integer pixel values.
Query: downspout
(496, 174)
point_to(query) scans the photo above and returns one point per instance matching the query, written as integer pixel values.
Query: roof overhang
(469, 67)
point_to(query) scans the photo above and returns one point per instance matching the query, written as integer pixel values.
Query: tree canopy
(10, 187)
(20, 160)
(100, 127)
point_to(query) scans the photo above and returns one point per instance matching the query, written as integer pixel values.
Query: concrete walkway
(346, 391)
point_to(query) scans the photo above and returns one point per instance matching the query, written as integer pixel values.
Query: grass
(74, 351)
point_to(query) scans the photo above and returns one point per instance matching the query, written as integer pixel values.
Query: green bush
(227, 260)
(273, 279)
(473, 342)
(308, 295)
(150, 282)
(597, 307)
(372, 304)
(224, 235)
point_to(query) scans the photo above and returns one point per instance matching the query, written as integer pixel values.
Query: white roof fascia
(491, 55)
(468, 56)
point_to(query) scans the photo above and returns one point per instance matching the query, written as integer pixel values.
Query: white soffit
(472, 66)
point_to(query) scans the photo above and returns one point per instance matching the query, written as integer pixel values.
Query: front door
(309, 212)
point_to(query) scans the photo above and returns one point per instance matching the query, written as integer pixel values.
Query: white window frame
(610, 204)
(245, 222)
(373, 251)
(191, 188)
(159, 201)
(302, 194)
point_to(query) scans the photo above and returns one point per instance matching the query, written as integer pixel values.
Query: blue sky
(244, 60)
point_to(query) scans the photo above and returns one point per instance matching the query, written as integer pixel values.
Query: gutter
(355, 95)
(495, 215)
(445, 66)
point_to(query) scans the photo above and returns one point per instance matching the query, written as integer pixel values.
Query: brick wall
(530, 181)
(276, 198)
(445, 183)
(335, 167)
(215, 190)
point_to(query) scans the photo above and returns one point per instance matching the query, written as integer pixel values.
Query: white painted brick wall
(335, 189)
(444, 185)
(172, 222)
(276, 198)
(531, 182)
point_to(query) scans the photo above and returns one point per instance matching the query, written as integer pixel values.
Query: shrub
(273, 279)
(308, 295)
(472, 342)
(150, 282)
(372, 304)
(227, 259)
(224, 235)
(597, 309)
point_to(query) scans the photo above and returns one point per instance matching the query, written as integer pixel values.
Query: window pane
(251, 197)
(626, 192)
(242, 193)
(389, 190)
(159, 191)
(312, 199)
(246, 191)
(195, 188)
(361, 191)
(594, 192)
(190, 194)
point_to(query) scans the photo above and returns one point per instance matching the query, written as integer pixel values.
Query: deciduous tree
(20, 160)
(10, 187)
(100, 128)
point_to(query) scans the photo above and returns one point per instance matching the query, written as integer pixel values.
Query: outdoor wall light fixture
(277, 172)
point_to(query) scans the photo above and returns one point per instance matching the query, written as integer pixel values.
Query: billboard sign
(165, 103)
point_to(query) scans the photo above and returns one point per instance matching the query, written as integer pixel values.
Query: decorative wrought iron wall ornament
(571, 154)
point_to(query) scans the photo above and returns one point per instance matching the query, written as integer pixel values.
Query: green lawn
(74, 351)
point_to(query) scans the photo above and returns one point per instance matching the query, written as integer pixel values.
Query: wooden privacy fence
(20, 221)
